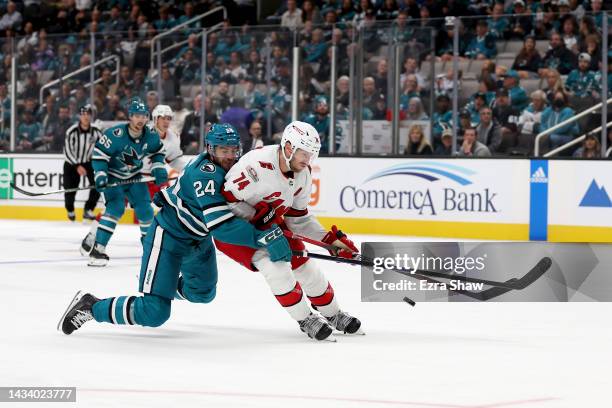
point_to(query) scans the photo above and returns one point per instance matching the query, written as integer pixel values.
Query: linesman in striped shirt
(78, 148)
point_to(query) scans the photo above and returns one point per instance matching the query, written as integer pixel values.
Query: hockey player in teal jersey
(193, 210)
(118, 156)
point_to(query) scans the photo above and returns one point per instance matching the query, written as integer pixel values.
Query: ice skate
(345, 323)
(97, 257)
(77, 313)
(317, 328)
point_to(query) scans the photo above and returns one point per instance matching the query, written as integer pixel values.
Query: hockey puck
(409, 301)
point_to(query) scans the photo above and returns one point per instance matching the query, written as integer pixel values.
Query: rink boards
(554, 200)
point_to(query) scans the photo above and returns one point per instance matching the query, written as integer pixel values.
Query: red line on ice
(314, 397)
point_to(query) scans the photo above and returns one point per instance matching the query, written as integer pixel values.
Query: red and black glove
(265, 216)
(345, 247)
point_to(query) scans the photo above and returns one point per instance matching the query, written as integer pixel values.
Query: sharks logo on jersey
(122, 155)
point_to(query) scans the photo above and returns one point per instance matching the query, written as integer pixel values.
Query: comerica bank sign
(425, 187)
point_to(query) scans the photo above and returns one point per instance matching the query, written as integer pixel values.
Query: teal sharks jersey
(195, 208)
(121, 156)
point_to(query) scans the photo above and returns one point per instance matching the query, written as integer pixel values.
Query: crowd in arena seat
(524, 67)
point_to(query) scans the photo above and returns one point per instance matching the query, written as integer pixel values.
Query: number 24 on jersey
(210, 188)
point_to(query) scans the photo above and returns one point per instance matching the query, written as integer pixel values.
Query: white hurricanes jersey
(257, 177)
(172, 149)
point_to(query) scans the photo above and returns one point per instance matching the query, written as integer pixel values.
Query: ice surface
(243, 350)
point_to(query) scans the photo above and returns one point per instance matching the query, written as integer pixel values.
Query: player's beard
(226, 163)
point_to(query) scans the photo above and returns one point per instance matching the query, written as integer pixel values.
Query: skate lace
(313, 324)
(80, 318)
(341, 320)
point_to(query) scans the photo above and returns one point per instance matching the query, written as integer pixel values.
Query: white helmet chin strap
(288, 159)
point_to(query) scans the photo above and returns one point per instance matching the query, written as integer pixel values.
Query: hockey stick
(513, 284)
(73, 190)
(497, 289)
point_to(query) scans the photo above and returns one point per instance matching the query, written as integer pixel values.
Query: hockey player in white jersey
(273, 185)
(162, 117)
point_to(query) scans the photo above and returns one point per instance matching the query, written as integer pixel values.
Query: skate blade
(97, 262)
(331, 338)
(76, 298)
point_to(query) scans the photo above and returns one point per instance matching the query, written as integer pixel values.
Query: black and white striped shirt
(79, 143)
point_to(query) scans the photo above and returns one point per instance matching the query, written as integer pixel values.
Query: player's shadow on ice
(205, 336)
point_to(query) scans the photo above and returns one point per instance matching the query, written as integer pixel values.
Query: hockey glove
(345, 247)
(160, 174)
(101, 180)
(276, 244)
(265, 216)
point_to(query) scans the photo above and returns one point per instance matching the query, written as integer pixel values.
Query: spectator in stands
(346, 12)
(255, 68)
(55, 131)
(192, 44)
(570, 33)
(5, 105)
(187, 68)
(222, 99)
(165, 20)
(388, 11)
(29, 132)
(488, 131)
(64, 94)
(445, 83)
(309, 86)
(190, 135)
(342, 96)
(553, 83)
(592, 47)
(316, 50)
(381, 75)
(599, 76)
(473, 107)
(528, 61)
(255, 135)
(590, 149)
(472, 147)
(555, 114)
(152, 100)
(112, 110)
(418, 145)
(125, 80)
(319, 119)
(518, 96)
(30, 38)
(235, 69)
(254, 100)
(379, 112)
(12, 19)
(292, 18)
(442, 116)
(169, 86)
(310, 12)
(283, 74)
(188, 14)
(44, 57)
(410, 90)
(498, 23)
(581, 82)
(520, 23)
(482, 46)
(31, 88)
(558, 57)
(47, 112)
(531, 117)
(370, 93)
(415, 110)
(445, 148)
(115, 24)
(411, 66)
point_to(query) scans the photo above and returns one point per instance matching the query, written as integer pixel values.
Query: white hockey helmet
(162, 110)
(301, 135)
